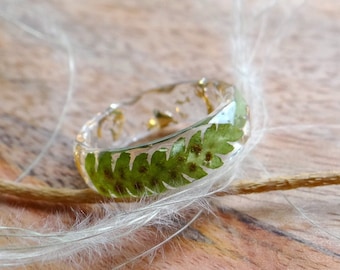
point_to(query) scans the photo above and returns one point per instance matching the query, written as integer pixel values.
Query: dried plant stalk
(80, 196)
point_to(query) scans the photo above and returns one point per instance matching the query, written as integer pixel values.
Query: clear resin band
(163, 139)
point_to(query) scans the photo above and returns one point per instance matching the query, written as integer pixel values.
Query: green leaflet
(123, 177)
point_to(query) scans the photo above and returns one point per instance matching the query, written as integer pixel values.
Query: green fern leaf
(167, 168)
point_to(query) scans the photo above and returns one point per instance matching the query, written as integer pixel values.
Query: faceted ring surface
(162, 139)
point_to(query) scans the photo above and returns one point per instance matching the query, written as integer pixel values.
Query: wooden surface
(121, 48)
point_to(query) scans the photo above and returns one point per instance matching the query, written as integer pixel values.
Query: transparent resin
(162, 139)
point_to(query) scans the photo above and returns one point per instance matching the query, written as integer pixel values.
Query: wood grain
(121, 48)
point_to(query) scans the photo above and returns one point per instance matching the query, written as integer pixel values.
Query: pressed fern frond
(168, 168)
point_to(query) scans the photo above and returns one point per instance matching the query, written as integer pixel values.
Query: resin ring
(162, 139)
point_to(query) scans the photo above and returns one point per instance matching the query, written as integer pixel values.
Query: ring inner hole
(159, 113)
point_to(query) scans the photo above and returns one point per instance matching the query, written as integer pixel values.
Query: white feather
(110, 226)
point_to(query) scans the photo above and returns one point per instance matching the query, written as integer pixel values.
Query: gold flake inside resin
(160, 119)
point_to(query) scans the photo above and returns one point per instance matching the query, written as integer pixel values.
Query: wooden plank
(121, 48)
